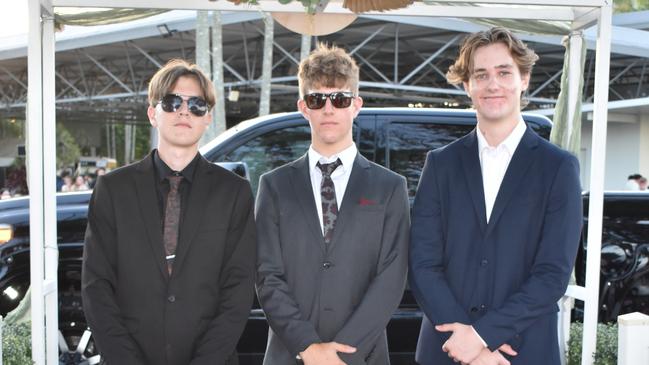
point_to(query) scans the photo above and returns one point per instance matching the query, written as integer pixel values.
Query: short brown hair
(164, 80)
(461, 70)
(327, 66)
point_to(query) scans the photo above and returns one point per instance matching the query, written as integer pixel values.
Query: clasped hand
(466, 347)
(325, 353)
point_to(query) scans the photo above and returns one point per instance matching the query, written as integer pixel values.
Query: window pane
(271, 150)
(409, 143)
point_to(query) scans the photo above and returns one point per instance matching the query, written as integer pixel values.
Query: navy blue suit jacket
(505, 277)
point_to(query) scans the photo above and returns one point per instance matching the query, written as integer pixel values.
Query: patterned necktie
(172, 220)
(328, 196)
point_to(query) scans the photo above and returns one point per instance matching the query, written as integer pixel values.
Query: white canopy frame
(42, 147)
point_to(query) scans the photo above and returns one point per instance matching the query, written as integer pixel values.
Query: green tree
(67, 149)
(624, 6)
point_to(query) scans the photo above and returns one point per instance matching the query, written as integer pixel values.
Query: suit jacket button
(484, 262)
(326, 265)
(171, 298)
(474, 309)
(483, 307)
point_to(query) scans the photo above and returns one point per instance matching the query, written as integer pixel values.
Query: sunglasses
(172, 102)
(339, 99)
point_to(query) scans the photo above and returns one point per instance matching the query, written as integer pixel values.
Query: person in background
(642, 183)
(632, 182)
(79, 184)
(68, 183)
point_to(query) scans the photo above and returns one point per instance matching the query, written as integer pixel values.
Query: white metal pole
(596, 200)
(50, 290)
(34, 155)
(218, 121)
(267, 65)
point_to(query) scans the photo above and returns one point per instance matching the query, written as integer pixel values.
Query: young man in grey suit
(169, 257)
(496, 222)
(333, 233)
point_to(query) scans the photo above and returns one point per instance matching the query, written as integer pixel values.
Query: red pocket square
(364, 202)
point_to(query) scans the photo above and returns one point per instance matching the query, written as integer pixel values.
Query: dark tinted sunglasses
(172, 102)
(340, 99)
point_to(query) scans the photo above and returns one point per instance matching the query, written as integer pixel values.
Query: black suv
(397, 138)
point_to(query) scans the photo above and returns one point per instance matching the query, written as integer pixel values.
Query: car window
(408, 144)
(271, 150)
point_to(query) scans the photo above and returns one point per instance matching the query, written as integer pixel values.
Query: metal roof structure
(102, 71)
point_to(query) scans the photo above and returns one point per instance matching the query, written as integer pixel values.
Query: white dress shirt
(340, 176)
(494, 162)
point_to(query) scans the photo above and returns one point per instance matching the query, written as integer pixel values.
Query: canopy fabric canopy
(99, 16)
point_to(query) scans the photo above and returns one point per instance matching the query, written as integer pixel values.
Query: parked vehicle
(397, 138)
(624, 280)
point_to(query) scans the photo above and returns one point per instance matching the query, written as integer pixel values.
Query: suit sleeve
(371, 316)
(98, 279)
(552, 266)
(282, 311)
(427, 245)
(236, 285)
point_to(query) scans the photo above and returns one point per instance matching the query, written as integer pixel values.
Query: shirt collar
(346, 156)
(163, 170)
(510, 143)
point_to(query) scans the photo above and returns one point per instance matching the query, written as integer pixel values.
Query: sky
(13, 18)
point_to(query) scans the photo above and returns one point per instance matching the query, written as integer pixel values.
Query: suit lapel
(355, 187)
(518, 167)
(148, 205)
(194, 211)
(301, 186)
(473, 175)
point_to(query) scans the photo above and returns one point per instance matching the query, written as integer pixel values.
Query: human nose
(184, 107)
(328, 107)
(492, 83)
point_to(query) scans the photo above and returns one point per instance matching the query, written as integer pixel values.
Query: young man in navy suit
(496, 222)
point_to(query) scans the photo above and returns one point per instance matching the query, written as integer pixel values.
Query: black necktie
(172, 220)
(328, 196)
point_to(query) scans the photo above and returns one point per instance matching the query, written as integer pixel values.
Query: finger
(343, 348)
(446, 327)
(503, 362)
(508, 350)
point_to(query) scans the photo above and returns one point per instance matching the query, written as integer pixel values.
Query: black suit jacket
(138, 313)
(346, 291)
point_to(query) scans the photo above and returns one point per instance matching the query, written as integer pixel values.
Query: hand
(464, 345)
(487, 357)
(325, 353)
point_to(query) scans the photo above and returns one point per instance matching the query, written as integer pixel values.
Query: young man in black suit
(170, 246)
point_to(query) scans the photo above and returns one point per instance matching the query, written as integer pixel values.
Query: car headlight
(6, 233)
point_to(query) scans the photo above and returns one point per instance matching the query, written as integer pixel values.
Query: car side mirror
(240, 168)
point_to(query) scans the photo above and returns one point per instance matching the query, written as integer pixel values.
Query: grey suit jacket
(346, 292)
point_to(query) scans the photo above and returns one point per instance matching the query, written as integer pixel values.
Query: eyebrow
(504, 66)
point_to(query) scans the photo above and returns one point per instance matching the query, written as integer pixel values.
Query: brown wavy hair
(327, 66)
(164, 80)
(524, 57)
